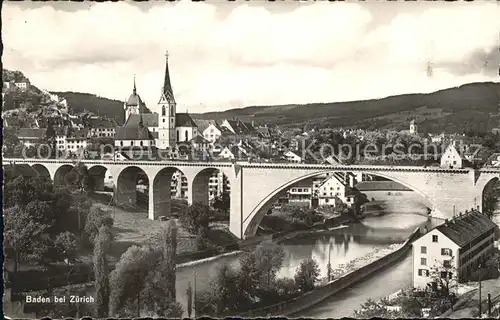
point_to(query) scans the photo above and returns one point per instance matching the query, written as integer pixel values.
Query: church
(163, 128)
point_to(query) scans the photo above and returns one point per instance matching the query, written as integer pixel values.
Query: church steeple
(167, 86)
(135, 89)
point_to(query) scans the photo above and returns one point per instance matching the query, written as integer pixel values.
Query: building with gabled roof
(166, 125)
(454, 249)
(31, 136)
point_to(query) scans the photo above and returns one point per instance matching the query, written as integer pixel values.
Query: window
(186, 135)
(454, 162)
(163, 119)
(163, 112)
(443, 274)
(423, 261)
(423, 272)
(434, 238)
(445, 252)
(171, 111)
(423, 249)
(141, 143)
(446, 264)
(131, 143)
(121, 143)
(178, 134)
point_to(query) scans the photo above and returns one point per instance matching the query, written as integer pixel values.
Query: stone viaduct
(255, 187)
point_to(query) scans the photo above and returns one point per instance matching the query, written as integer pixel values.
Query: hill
(86, 102)
(474, 107)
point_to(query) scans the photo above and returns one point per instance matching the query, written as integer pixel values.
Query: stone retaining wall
(319, 294)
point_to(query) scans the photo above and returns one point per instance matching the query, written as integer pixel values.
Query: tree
(444, 278)
(66, 245)
(202, 242)
(22, 190)
(129, 278)
(329, 271)
(249, 275)
(95, 219)
(169, 256)
(101, 271)
(307, 274)
(79, 178)
(269, 259)
(196, 217)
(189, 294)
(145, 278)
(26, 238)
(222, 202)
(226, 294)
(372, 309)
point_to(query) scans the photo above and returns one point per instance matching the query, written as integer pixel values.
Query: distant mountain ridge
(474, 106)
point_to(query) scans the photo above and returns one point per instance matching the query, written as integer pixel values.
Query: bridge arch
(161, 187)
(60, 175)
(42, 170)
(97, 174)
(208, 184)
(252, 221)
(131, 182)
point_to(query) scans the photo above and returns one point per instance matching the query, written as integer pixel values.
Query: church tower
(133, 103)
(413, 127)
(167, 112)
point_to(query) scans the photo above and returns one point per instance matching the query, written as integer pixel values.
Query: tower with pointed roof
(133, 103)
(167, 113)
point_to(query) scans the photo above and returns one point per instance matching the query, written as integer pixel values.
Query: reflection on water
(340, 246)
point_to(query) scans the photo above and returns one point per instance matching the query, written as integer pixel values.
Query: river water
(346, 244)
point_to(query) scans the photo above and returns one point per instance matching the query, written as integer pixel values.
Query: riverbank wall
(309, 299)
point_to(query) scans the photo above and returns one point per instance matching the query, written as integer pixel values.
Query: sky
(226, 55)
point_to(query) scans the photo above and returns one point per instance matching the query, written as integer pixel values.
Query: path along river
(353, 242)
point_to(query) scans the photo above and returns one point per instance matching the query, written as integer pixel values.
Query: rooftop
(463, 230)
(133, 133)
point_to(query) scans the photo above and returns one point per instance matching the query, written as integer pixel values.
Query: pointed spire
(135, 89)
(167, 87)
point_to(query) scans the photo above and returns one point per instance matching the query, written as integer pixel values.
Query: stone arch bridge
(255, 187)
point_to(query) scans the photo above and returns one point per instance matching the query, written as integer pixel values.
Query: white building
(31, 136)
(454, 249)
(22, 85)
(291, 156)
(212, 132)
(301, 193)
(217, 185)
(179, 185)
(102, 127)
(334, 191)
(451, 158)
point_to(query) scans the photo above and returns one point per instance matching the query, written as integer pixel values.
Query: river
(346, 244)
